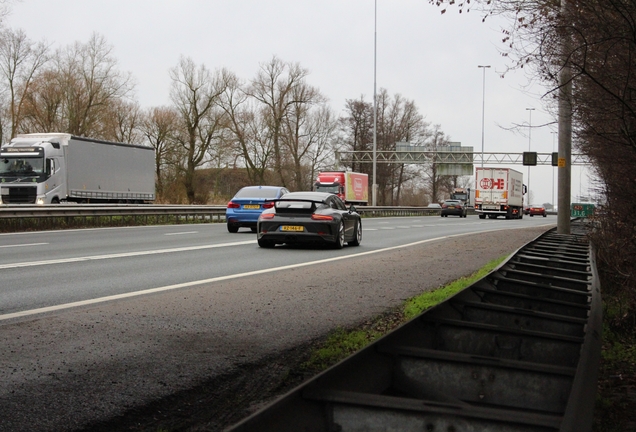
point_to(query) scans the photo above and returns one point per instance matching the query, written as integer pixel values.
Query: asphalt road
(95, 322)
(56, 268)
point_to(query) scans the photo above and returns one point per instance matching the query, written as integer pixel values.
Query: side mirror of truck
(48, 167)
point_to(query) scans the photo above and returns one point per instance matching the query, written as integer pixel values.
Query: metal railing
(23, 217)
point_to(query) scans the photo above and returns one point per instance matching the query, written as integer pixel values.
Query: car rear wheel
(266, 243)
(340, 237)
(357, 235)
(232, 228)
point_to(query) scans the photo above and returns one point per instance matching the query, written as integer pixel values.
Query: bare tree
(78, 90)
(247, 128)
(195, 92)
(300, 131)
(159, 128)
(357, 128)
(274, 87)
(437, 184)
(43, 108)
(398, 121)
(20, 60)
(91, 81)
(122, 122)
(321, 131)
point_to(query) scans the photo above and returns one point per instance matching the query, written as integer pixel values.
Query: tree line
(275, 128)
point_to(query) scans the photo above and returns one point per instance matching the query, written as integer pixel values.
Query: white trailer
(57, 167)
(499, 192)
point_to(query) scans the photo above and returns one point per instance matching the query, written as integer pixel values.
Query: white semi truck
(499, 192)
(50, 168)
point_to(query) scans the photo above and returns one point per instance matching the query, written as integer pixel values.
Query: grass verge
(343, 342)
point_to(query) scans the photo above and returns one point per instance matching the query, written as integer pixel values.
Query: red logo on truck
(499, 184)
(485, 183)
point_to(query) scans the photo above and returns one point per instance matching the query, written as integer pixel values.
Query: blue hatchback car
(248, 204)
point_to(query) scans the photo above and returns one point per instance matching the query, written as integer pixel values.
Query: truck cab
(30, 171)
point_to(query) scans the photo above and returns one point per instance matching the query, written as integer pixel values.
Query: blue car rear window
(257, 193)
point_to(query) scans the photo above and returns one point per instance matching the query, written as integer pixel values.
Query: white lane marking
(23, 245)
(121, 255)
(181, 233)
(222, 278)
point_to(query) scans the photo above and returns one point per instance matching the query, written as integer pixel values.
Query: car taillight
(267, 205)
(232, 204)
(267, 215)
(321, 217)
(444, 206)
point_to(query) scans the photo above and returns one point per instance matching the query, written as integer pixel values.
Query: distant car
(526, 211)
(454, 207)
(309, 217)
(434, 206)
(537, 210)
(247, 205)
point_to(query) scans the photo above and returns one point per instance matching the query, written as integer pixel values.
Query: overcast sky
(423, 55)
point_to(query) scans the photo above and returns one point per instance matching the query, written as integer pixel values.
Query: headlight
(39, 201)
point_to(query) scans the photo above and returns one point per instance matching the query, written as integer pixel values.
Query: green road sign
(581, 209)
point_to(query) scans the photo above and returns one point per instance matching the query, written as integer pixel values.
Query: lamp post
(483, 110)
(529, 143)
(554, 134)
(374, 186)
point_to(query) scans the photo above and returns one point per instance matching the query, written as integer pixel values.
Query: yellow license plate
(291, 228)
(251, 206)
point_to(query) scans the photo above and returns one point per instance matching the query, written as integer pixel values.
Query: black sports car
(306, 217)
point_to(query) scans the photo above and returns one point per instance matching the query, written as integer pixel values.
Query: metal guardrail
(516, 351)
(21, 211)
(18, 217)
(85, 210)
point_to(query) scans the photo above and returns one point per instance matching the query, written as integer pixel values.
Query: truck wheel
(482, 216)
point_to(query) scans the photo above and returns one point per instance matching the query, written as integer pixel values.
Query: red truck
(352, 187)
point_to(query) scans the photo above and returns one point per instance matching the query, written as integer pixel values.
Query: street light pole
(483, 110)
(554, 134)
(529, 144)
(374, 186)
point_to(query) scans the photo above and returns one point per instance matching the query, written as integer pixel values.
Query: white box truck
(499, 192)
(51, 168)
